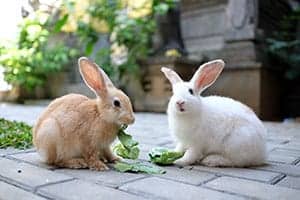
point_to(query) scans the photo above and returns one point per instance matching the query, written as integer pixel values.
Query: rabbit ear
(207, 74)
(107, 80)
(171, 75)
(93, 76)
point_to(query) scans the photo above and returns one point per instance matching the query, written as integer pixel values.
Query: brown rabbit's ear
(207, 74)
(107, 80)
(92, 76)
(171, 75)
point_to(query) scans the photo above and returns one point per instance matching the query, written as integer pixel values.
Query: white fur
(214, 130)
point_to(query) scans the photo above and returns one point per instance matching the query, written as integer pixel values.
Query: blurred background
(41, 40)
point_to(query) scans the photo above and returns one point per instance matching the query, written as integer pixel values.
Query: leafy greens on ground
(15, 134)
(164, 156)
(138, 167)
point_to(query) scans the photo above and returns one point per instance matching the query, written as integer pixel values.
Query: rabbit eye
(117, 103)
(191, 91)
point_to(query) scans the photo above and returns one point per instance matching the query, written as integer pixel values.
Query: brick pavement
(24, 176)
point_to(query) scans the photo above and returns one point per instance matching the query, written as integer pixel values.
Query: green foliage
(164, 156)
(32, 57)
(127, 148)
(138, 167)
(15, 134)
(285, 46)
(132, 153)
(133, 33)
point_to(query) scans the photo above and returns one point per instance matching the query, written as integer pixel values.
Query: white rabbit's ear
(207, 74)
(93, 76)
(171, 75)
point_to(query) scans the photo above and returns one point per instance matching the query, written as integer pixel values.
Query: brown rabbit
(75, 131)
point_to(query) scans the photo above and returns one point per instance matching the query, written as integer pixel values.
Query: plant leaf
(132, 153)
(164, 156)
(15, 134)
(127, 148)
(60, 23)
(138, 167)
(126, 139)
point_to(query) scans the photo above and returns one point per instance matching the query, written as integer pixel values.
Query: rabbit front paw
(190, 157)
(183, 161)
(115, 159)
(179, 148)
(98, 166)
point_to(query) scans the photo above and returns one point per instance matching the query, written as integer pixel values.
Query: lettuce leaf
(136, 167)
(164, 156)
(127, 147)
(126, 139)
(132, 153)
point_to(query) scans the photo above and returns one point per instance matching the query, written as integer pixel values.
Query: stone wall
(235, 30)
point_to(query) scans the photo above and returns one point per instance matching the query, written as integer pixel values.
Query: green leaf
(138, 167)
(89, 47)
(60, 23)
(15, 134)
(127, 148)
(126, 139)
(164, 156)
(132, 153)
(161, 8)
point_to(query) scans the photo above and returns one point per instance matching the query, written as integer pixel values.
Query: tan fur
(76, 132)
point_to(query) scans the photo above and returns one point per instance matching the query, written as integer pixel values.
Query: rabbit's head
(186, 95)
(113, 104)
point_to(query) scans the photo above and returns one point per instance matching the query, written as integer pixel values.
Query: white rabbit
(214, 130)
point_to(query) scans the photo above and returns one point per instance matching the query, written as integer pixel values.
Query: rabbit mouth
(181, 108)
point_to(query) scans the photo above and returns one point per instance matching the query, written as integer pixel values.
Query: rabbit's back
(229, 114)
(227, 106)
(59, 131)
(60, 108)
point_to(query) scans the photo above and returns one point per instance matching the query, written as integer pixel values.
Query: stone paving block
(10, 192)
(253, 189)
(290, 182)
(187, 176)
(110, 178)
(28, 175)
(280, 155)
(248, 173)
(292, 145)
(288, 159)
(33, 158)
(20, 112)
(170, 145)
(160, 188)
(278, 139)
(144, 155)
(291, 170)
(287, 152)
(146, 147)
(272, 146)
(81, 190)
(8, 151)
(156, 141)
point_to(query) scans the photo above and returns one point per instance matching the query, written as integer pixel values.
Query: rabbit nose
(132, 120)
(180, 103)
